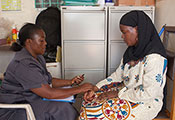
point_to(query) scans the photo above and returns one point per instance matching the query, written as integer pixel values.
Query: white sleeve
(114, 77)
(153, 82)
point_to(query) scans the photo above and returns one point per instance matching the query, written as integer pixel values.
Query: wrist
(95, 89)
(79, 89)
(71, 82)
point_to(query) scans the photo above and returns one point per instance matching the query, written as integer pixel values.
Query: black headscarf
(148, 39)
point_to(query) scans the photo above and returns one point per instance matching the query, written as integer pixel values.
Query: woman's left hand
(77, 79)
(107, 95)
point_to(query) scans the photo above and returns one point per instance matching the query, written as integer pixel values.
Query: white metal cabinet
(84, 42)
(116, 46)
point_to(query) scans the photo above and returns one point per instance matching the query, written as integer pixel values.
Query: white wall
(165, 13)
(5, 57)
(28, 13)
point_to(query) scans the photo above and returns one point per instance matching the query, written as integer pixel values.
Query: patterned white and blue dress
(140, 87)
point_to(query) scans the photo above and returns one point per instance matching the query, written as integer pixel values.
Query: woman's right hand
(89, 96)
(86, 87)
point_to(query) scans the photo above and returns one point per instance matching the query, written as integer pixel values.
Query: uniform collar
(23, 54)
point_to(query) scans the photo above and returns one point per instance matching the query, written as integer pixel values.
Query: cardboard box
(135, 3)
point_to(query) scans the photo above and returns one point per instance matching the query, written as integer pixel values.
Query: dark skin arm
(89, 95)
(55, 92)
(108, 95)
(60, 82)
(56, 82)
(48, 92)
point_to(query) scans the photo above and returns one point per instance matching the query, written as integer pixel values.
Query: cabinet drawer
(115, 14)
(115, 33)
(117, 50)
(84, 26)
(84, 55)
(92, 76)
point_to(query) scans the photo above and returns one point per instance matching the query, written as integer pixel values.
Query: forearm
(45, 91)
(60, 82)
(59, 93)
(108, 95)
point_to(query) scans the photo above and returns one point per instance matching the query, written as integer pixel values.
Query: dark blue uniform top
(24, 73)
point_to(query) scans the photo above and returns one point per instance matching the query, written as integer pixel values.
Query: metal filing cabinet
(116, 45)
(84, 42)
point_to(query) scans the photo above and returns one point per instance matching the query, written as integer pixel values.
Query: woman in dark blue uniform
(28, 81)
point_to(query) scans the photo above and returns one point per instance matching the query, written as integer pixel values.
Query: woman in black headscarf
(148, 40)
(135, 90)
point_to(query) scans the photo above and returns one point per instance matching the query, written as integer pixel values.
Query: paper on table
(68, 99)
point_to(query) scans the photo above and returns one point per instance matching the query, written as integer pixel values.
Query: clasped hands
(90, 90)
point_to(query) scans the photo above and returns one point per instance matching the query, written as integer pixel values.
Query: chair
(27, 107)
(169, 42)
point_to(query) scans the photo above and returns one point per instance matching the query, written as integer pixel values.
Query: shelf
(5, 47)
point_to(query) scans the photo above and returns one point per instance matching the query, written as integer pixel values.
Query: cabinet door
(114, 29)
(92, 76)
(83, 25)
(115, 14)
(117, 50)
(84, 55)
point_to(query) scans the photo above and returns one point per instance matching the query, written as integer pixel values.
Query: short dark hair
(26, 32)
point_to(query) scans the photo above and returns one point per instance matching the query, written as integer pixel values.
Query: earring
(137, 39)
